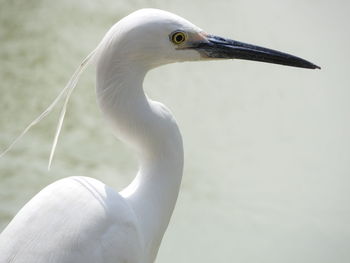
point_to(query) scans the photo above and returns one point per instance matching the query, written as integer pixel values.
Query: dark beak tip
(313, 66)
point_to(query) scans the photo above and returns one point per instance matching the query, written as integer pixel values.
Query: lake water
(267, 148)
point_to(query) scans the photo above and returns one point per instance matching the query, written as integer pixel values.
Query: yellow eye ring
(178, 37)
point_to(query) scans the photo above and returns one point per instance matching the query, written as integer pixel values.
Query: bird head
(155, 37)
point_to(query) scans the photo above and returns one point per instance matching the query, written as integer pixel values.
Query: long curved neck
(152, 131)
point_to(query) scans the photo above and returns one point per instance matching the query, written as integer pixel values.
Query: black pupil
(179, 38)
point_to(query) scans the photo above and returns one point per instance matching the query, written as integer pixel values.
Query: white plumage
(76, 219)
(81, 220)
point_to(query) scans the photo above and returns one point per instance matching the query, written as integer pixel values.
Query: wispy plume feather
(68, 89)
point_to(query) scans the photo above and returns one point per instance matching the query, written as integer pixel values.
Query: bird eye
(178, 37)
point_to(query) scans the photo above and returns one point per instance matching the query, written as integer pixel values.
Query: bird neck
(151, 130)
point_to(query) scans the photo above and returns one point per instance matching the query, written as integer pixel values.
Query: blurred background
(267, 149)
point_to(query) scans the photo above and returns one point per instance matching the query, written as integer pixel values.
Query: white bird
(82, 220)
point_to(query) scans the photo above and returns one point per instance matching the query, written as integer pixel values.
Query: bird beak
(218, 47)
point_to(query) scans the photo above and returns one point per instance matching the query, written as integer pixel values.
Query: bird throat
(150, 129)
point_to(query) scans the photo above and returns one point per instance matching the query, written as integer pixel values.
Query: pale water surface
(267, 172)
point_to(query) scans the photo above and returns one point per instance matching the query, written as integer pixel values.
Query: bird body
(82, 220)
(76, 219)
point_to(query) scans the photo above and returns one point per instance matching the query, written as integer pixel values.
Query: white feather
(68, 89)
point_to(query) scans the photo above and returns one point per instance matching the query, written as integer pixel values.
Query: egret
(82, 220)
